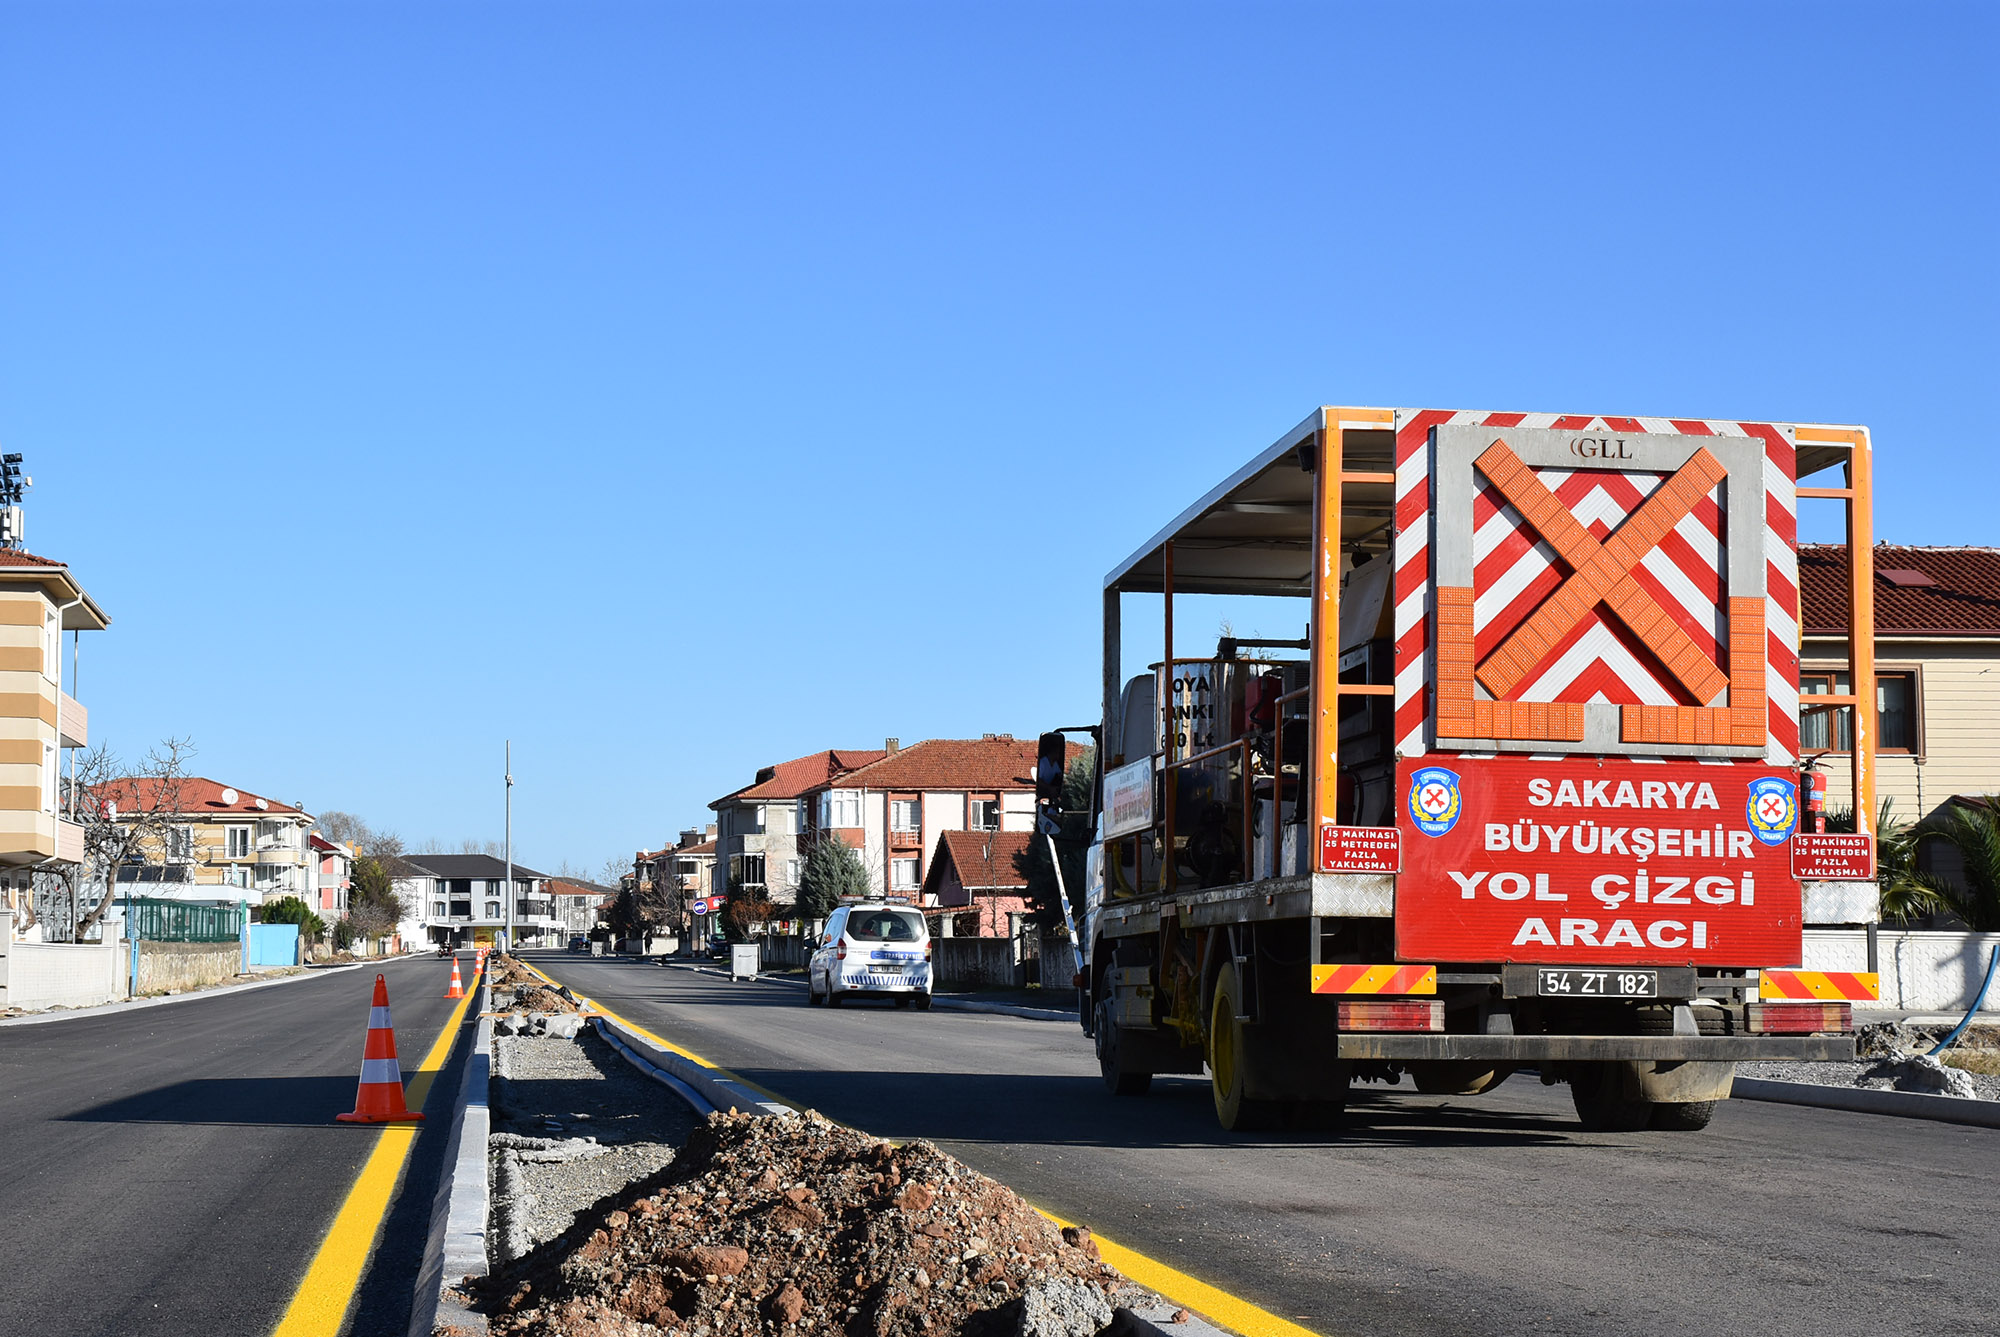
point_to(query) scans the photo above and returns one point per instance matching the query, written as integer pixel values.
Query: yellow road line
(320, 1305)
(1211, 1302)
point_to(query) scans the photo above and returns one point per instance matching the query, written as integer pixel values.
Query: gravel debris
(791, 1224)
(1894, 1057)
(573, 1124)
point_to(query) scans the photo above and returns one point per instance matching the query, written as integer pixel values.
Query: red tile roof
(198, 794)
(977, 765)
(789, 779)
(968, 853)
(1963, 601)
(15, 557)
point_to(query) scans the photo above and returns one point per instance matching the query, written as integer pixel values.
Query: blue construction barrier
(274, 945)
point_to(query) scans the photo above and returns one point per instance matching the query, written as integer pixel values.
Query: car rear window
(885, 926)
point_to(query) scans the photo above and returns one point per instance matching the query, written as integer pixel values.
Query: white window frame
(238, 842)
(844, 803)
(972, 811)
(915, 818)
(915, 874)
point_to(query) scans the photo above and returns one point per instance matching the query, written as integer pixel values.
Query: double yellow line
(319, 1306)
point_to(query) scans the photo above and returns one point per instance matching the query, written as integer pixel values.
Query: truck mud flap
(1596, 1048)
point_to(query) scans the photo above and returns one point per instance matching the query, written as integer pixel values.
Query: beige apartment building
(218, 844)
(39, 600)
(1937, 672)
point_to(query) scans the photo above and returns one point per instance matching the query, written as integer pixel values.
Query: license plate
(1598, 983)
(886, 970)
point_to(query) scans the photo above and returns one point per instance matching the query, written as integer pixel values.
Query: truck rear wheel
(1113, 1060)
(1598, 1091)
(1229, 1061)
(1688, 1117)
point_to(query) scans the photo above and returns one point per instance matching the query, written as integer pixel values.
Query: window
(1896, 712)
(750, 869)
(905, 814)
(180, 842)
(902, 874)
(791, 872)
(462, 909)
(984, 815)
(685, 867)
(437, 909)
(236, 842)
(236, 877)
(49, 773)
(843, 809)
(754, 820)
(885, 926)
(51, 647)
(492, 909)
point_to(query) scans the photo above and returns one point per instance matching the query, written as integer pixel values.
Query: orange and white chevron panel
(1375, 979)
(1804, 986)
(1648, 546)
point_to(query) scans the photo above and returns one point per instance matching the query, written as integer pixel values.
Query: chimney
(892, 745)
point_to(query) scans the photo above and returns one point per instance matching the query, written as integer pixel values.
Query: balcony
(72, 721)
(289, 842)
(69, 840)
(331, 881)
(906, 840)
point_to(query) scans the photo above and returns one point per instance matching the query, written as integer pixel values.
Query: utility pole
(510, 845)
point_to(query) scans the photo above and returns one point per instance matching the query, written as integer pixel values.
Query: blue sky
(677, 389)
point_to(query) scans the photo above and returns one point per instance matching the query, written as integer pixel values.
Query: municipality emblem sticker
(1774, 809)
(1434, 802)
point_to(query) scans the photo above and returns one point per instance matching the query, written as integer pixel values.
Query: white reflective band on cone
(381, 1070)
(378, 1018)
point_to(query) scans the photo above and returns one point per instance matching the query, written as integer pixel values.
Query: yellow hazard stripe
(1396, 979)
(1828, 986)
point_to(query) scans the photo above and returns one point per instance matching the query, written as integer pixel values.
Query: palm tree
(1974, 897)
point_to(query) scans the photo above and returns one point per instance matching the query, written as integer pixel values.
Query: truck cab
(1524, 789)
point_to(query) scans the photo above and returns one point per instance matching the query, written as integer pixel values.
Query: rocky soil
(790, 1224)
(1894, 1057)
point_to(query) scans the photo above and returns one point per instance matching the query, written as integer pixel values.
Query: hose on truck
(1992, 963)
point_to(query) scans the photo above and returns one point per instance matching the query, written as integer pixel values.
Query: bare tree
(615, 870)
(128, 818)
(343, 828)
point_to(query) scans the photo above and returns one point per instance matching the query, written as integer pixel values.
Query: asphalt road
(1424, 1215)
(172, 1170)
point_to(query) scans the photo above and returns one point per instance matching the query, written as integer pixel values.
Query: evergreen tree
(833, 870)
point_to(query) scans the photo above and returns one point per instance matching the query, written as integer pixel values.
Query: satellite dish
(263, 805)
(230, 796)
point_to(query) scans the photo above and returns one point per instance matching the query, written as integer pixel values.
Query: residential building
(1937, 672)
(214, 843)
(894, 810)
(758, 826)
(333, 870)
(577, 901)
(680, 873)
(973, 889)
(39, 600)
(464, 900)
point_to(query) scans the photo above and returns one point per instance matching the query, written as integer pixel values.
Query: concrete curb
(939, 1001)
(140, 1004)
(457, 1244)
(1862, 1100)
(700, 1087)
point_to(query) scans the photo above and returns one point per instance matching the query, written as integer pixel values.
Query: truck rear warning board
(1556, 861)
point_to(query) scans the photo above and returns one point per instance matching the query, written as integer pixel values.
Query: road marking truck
(1527, 793)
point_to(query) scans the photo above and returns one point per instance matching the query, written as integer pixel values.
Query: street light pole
(510, 845)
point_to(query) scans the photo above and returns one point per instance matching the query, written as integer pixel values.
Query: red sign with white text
(1834, 856)
(1360, 849)
(1602, 862)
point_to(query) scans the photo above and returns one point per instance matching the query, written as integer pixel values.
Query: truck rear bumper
(1594, 1048)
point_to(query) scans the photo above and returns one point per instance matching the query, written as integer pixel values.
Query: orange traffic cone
(457, 989)
(380, 1099)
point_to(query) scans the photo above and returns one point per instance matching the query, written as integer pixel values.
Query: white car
(872, 949)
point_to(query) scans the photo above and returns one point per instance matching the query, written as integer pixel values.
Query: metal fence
(176, 921)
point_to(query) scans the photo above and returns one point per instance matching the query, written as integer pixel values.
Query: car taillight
(1799, 1018)
(840, 950)
(1377, 1014)
(927, 949)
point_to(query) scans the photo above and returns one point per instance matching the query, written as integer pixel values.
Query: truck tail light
(1392, 1014)
(1799, 1018)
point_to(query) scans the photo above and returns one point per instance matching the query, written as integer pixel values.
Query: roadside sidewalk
(161, 1000)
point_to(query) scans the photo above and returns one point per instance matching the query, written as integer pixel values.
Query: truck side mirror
(1051, 762)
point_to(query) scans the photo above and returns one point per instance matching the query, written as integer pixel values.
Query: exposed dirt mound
(505, 970)
(1891, 1039)
(537, 997)
(791, 1224)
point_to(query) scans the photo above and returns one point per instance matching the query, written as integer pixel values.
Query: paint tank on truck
(1528, 792)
